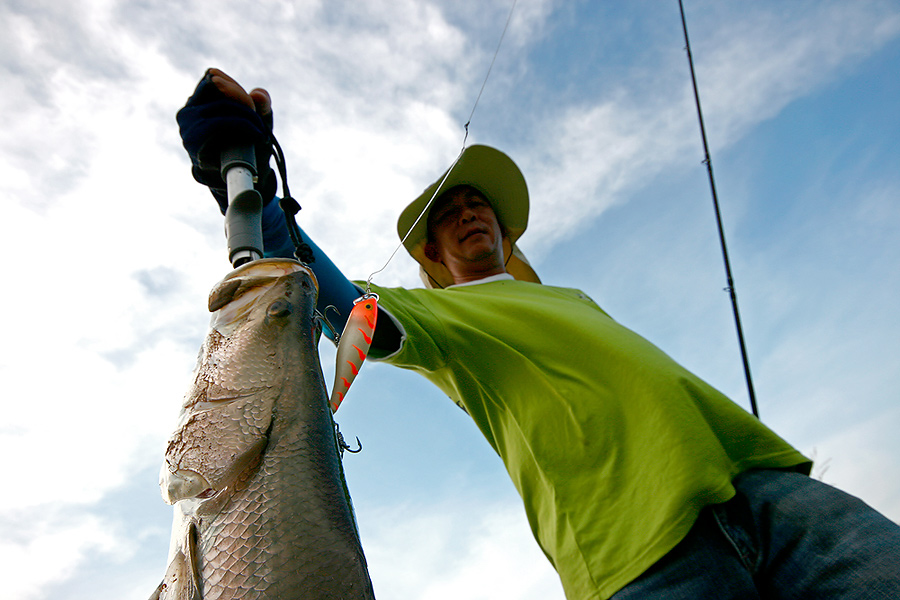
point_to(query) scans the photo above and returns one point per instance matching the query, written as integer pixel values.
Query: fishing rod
(712, 185)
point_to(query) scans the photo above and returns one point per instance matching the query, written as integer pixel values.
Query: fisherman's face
(465, 234)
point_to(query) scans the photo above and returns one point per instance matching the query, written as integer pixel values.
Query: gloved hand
(221, 114)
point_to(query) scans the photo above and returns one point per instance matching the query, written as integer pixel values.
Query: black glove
(209, 122)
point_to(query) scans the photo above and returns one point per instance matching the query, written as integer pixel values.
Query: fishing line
(455, 162)
(712, 184)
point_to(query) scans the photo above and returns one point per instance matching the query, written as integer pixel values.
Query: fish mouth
(268, 268)
(232, 298)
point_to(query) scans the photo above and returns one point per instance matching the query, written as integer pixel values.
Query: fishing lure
(354, 345)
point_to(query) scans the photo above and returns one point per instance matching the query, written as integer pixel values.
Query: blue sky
(114, 247)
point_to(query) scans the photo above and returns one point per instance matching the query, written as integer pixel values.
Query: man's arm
(334, 287)
(221, 112)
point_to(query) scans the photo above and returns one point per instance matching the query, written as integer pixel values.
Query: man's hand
(221, 114)
(258, 99)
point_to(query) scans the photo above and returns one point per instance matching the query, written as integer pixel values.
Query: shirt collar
(488, 279)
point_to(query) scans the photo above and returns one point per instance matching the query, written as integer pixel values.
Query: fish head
(226, 415)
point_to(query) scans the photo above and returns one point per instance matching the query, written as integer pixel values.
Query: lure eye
(279, 308)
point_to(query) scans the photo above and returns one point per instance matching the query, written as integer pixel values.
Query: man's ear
(431, 252)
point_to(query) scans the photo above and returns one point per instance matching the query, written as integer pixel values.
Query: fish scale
(279, 523)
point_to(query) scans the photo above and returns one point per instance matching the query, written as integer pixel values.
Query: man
(639, 480)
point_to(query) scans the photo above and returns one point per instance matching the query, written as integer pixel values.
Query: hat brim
(500, 181)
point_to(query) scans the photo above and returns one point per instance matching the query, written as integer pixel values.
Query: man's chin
(475, 235)
(480, 251)
(478, 240)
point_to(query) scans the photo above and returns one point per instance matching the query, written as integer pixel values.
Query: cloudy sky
(112, 248)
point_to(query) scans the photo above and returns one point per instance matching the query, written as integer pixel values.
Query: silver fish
(253, 467)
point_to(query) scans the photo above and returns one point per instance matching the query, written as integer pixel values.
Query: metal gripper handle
(243, 219)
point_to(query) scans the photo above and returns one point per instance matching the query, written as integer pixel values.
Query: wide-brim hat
(502, 184)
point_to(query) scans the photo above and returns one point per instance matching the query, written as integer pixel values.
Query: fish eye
(279, 308)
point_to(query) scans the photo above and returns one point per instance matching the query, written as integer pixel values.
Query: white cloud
(116, 246)
(42, 552)
(852, 463)
(453, 549)
(590, 156)
(750, 68)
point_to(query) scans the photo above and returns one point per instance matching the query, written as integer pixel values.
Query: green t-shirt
(613, 446)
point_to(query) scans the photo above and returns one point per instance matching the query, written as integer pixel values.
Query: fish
(354, 346)
(253, 467)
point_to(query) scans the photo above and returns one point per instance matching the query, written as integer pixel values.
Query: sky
(112, 248)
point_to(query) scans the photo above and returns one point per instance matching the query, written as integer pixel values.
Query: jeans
(783, 535)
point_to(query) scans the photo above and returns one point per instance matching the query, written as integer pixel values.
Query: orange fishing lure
(354, 346)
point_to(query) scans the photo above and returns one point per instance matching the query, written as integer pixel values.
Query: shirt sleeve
(421, 344)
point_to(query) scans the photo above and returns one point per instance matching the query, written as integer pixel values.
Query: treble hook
(349, 449)
(343, 445)
(335, 335)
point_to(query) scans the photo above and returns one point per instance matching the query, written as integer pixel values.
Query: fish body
(253, 467)
(354, 346)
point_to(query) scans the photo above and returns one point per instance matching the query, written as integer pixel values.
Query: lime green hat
(502, 184)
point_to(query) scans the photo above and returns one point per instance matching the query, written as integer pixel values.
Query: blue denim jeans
(783, 535)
